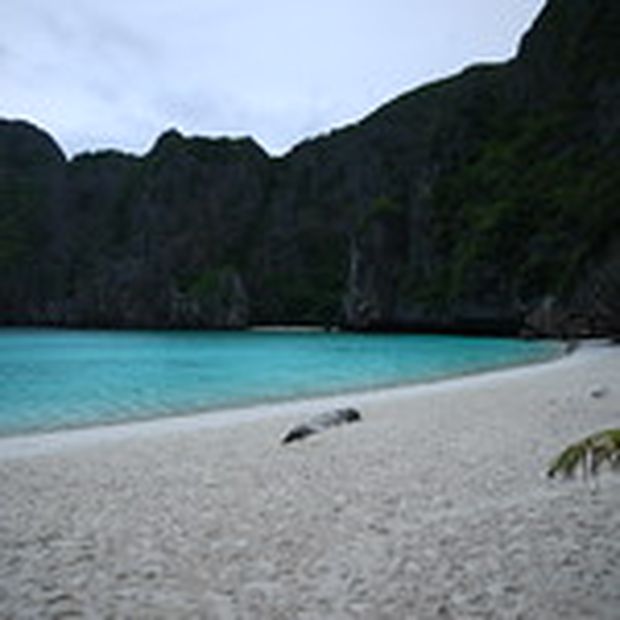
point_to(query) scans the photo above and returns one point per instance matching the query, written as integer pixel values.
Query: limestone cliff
(486, 202)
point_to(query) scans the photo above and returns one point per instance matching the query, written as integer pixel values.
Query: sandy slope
(435, 506)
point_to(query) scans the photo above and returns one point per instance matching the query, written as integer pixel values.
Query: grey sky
(116, 73)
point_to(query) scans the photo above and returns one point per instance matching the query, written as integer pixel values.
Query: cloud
(117, 73)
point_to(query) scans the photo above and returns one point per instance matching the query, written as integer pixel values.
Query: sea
(54, 379)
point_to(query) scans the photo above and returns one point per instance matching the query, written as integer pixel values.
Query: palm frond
(590, 453)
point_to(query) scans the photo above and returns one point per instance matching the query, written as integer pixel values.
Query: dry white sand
(434, 506)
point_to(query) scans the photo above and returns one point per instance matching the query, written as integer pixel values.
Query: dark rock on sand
(321, 422)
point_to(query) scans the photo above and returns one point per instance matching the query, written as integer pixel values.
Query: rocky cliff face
(485, 202)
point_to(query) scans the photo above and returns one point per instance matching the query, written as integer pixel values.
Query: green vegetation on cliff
(537, 207)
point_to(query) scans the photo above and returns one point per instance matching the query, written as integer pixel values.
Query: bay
(55, 379)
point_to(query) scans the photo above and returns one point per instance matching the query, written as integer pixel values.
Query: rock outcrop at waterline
(487, 202)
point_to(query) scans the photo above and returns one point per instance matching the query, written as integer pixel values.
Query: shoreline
(435, 505)
(238, 407)
(41, 441)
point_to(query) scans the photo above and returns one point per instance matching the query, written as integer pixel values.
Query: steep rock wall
(486, 202)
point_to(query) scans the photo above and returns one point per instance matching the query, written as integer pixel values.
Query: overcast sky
(116, 73)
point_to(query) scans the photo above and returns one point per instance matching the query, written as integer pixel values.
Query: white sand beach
(434, 506)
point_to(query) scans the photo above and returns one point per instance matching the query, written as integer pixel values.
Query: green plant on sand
(590, 453)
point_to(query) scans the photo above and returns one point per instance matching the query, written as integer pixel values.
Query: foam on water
(53, 379)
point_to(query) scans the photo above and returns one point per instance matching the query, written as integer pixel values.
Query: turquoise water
(52, 379)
